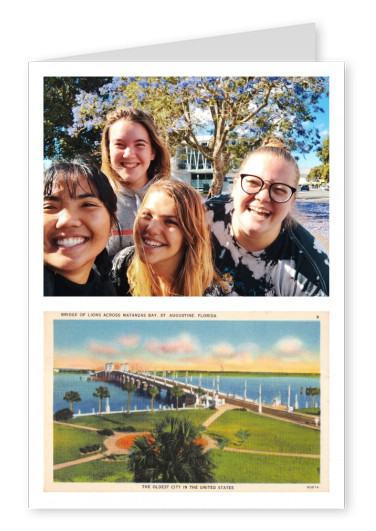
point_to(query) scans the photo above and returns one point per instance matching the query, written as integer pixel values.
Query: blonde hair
(275, 147)
(159, 168)
(196, 272)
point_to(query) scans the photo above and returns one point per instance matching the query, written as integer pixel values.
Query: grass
(67, 442)
(95, 471)
(234, 467)
(230, 468)
(141, 421)
(267, 433)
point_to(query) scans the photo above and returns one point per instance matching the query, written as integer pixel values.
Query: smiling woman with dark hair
(259, 248)
(79, 213)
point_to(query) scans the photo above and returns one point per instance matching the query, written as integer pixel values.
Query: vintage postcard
(173, 401)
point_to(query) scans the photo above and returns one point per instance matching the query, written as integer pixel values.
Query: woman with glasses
(260, 249)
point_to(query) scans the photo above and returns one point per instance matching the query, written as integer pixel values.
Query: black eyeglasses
(278, 192)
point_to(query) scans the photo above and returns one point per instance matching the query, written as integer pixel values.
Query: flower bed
(127, 441)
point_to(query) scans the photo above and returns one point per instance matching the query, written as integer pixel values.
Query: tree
(177, 392)
(153, 392)
(129, 387)
(171, 454)
(242, 435)
(236, 113)
(313, 391)
(101, 392)
(59, 98)
(72, 396)
(63, 414)
(321, 173)
(199, 392)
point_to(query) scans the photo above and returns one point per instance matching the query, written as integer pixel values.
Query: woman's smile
(159, 238)
(76, 230)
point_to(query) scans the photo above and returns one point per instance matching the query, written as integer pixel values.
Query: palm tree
(153, 391)
(313, 391)
(199, 392)
(72, 396)
(130, 388)
(177, 392)
(101, 392)
(171, 454)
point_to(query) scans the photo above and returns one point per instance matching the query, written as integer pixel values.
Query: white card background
(333, 304)
(40, 30)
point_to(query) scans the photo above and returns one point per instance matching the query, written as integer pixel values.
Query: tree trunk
(220, 168)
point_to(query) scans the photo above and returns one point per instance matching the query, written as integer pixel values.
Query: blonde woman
(259, 248)
(134, 156)
(172, 255)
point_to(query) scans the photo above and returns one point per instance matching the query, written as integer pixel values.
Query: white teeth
(260, 211)
(70, 242)
(130, 165)
(153, 244)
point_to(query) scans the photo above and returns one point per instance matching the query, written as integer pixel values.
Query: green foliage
(72, 396)
(242, 435)
(321, 173)
(59, 98)
(312, 391)
(63, 414)
(89, 449)
(171, 455)
(153, 392)
(129, 387)
(101, 392)
(177, 392)
(106, 431)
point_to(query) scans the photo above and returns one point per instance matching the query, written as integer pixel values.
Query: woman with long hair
(172, 255)
(134, 156)
(79, 213)
(259, 248)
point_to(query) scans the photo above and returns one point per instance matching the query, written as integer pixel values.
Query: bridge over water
(143, 381)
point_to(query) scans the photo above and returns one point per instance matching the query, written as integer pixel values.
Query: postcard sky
(287, 346)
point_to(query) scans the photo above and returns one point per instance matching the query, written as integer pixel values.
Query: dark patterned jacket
(295, 264)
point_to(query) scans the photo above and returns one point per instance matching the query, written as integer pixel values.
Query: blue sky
(168, 344)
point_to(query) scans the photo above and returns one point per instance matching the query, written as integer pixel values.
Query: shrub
(129, 429)
(63, 414)
(90, 448)
(106, 431)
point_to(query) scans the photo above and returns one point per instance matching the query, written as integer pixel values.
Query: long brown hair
(159, 168)
(196, 272)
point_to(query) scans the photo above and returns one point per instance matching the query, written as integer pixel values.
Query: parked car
(304, 188)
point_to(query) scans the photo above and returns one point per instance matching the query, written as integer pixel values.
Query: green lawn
(230, 468)
(67, 442)
(141, 421)
(267, 433)
(234, 467)
(95, 471)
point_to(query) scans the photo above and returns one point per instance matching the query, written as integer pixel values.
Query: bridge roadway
(120, 377)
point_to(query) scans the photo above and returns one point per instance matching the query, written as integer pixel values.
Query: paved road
(315, 196)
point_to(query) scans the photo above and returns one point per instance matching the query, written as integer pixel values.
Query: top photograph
(186, 186)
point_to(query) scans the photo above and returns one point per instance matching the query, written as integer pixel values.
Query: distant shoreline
(211, 373)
